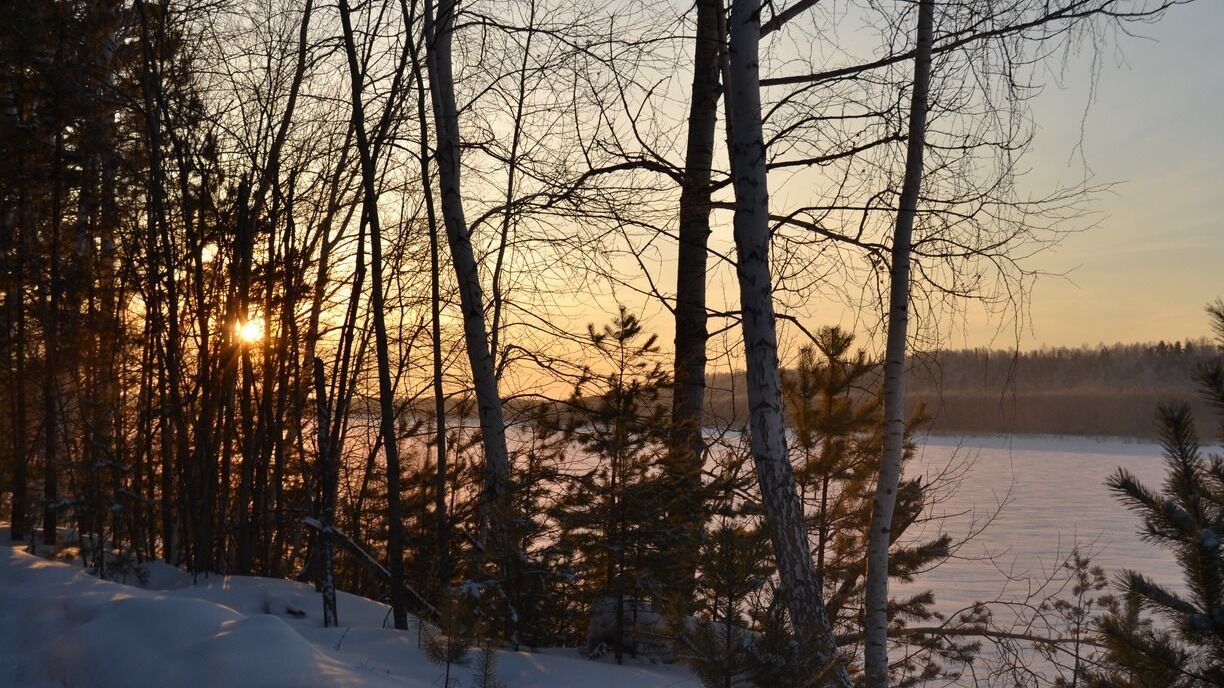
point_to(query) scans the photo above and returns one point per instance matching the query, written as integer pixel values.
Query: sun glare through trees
(250, 331)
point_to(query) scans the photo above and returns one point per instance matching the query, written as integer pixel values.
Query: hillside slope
(61, 627)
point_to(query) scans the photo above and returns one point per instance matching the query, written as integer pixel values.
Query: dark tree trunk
(687, 450)
(163, 315)
(51, 344)
(15, 310)
(395, 534)
(327, 511)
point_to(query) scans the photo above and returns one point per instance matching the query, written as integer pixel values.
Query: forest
(484, 309)
(1101, 391)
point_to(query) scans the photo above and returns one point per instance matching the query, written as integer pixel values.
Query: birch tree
(495, 506)
(784, 514)
(875, 652)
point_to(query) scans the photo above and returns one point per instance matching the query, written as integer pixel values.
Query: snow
(1053, 497)
(60, 626)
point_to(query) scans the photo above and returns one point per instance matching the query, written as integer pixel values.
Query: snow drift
(61, 627)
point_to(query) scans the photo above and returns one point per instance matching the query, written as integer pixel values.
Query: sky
(1142, 117)
(1154, 129)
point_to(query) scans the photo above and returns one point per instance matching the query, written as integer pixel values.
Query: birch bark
(875, 652)
(495, 504)
(800, 580)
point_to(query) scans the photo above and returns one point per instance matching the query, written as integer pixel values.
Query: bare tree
(881, 536)
(687, 450)
(386, 392)
(800, 580)
(328, 476)
(442, 525)
(495, 504)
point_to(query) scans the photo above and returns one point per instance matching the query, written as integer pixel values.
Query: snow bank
(61, 627)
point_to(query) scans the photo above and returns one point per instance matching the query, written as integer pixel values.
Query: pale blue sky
(1156, 256)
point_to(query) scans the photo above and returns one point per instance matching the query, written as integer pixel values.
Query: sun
(250, 331)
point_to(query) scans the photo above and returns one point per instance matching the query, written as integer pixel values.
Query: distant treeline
(1103, 390)
(1109, 391)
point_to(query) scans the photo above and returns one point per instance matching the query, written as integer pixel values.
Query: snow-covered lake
(1026, 501)
(1021, 504)
(1053, 497)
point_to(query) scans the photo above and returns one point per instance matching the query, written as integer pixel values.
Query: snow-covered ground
(60, 626)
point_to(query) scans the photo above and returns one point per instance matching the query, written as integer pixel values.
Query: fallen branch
(365, 557)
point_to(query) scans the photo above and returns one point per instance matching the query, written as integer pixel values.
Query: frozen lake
(1033, 498)
(1037, 498)
(1019, 505)
(1027, 501)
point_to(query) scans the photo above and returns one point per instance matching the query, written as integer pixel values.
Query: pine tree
(447, 644)
(1136, 653)
(733, 567)
(484, 670)
(1186, 517)
(835, 425)
(1076, 609)
(465, 622)
(775, 660)
(734, 564)
(545, 607)
(835, 411)
(836, 417)
(612, 514)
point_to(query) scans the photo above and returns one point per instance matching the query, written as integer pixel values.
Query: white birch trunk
(494, 505)
(800, 580)
(875, 652)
